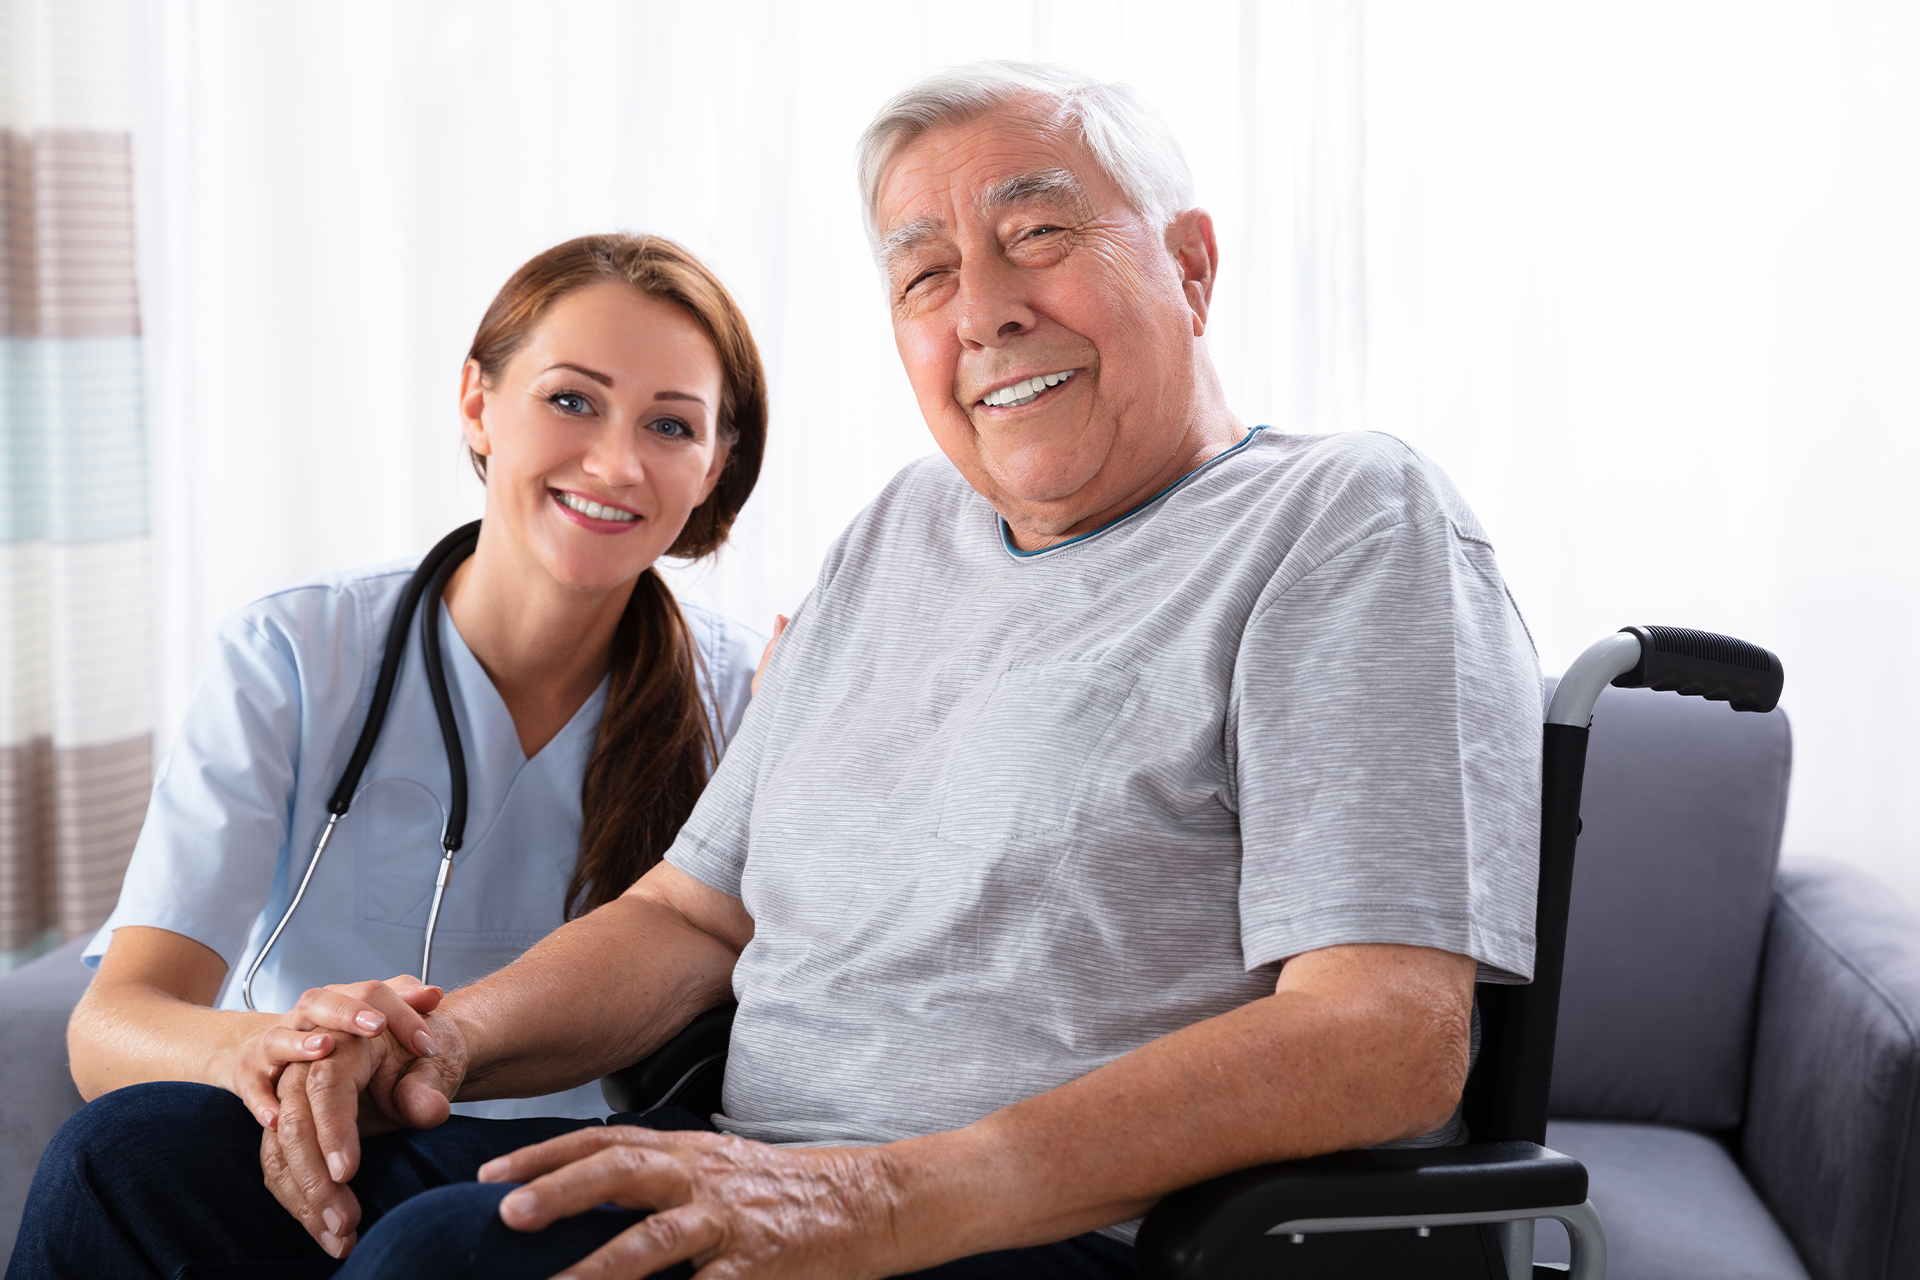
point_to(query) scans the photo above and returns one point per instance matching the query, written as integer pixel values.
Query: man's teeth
(594, 510)
(1022, 392)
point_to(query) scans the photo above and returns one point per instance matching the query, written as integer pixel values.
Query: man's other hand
(756, 1210)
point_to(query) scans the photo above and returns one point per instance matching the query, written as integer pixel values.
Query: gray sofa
(1739, 1052)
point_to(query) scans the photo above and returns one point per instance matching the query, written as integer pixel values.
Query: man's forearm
(1318, 1066)
(597, 994)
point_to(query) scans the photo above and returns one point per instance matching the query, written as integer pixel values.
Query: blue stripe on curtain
(74, 463)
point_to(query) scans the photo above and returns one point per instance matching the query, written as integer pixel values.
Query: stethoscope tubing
(429, 581)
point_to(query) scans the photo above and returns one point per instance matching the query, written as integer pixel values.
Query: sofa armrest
(1832, 1138)
(36, 1086)
(1208, 1231)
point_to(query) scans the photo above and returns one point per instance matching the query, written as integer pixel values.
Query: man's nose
(993, 308)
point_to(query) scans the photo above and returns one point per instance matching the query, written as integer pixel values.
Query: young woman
(614, 404)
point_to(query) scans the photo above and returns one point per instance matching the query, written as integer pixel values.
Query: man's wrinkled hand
(756, 1210)
(365, 1086)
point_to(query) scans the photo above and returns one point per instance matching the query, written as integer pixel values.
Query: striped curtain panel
(75, 621)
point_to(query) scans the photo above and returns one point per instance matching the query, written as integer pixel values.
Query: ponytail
(656, 748)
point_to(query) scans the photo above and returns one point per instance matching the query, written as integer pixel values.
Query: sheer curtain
(1645, 279)
(75, 638)
(332, 193)
(1641, 277)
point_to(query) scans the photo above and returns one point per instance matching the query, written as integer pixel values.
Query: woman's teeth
(1023, 392)
(594, 510)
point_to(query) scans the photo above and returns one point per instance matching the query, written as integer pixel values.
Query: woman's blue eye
(672, 427)
(570, 402)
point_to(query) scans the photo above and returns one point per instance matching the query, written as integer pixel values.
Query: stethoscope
(429, 580)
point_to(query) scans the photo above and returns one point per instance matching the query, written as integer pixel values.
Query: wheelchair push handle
(1695, 664)
(1700, 664)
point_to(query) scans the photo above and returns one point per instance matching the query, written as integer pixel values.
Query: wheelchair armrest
(685, 1072)
(1198, 1231)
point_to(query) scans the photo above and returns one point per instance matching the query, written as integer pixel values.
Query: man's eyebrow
(908, 235)
(600, 378)
(1040, 184)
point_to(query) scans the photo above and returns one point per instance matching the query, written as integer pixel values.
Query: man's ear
(1197, 254)
(473, 403)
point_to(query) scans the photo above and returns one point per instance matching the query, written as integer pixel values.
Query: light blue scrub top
(243, 794)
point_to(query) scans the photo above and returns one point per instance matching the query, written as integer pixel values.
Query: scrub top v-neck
(243, 793)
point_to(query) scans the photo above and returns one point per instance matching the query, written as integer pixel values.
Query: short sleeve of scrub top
(243, 793)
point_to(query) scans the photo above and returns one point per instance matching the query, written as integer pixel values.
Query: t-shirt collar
(1006, 533)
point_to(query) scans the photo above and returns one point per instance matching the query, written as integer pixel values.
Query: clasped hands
(369, 1058)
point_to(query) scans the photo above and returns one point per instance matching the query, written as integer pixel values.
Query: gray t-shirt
(1000, 818)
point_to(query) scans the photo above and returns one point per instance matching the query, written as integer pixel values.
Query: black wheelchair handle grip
(1700, 664)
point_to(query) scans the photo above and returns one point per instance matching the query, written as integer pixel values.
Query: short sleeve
(218, 821)
(1385, 740)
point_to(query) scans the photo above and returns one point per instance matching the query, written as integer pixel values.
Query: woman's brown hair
(657, 742)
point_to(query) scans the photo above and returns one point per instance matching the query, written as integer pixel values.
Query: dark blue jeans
(163, 1181)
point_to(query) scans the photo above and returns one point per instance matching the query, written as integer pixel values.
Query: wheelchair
(1448, 1213)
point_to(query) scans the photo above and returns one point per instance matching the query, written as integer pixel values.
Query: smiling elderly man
(1134, 799)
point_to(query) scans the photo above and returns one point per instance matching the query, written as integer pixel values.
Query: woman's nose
(615, 457)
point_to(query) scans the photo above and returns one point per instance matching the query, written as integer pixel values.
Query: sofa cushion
(38, 1093)
(1682, 807)
(1674, 1206)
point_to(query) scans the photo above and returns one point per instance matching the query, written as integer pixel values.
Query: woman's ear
(721, 452)
(473, 404)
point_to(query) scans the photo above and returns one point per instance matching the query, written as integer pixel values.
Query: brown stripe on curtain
(28, 902)
(100, 797)
(67, 262)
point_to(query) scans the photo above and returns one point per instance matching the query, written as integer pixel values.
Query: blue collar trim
(1006, 534)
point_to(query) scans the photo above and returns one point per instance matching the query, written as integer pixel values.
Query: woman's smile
(602, 517)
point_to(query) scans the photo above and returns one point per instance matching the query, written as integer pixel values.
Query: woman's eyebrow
(600, 378)
(679, 395)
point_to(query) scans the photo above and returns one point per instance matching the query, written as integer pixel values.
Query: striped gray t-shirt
(1000, 818)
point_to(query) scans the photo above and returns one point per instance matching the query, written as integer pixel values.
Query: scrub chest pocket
(1020, 751)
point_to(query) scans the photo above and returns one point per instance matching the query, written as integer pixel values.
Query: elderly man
(1134, 799)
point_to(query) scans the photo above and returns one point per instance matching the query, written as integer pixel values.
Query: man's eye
(1041, 231)
(569, 402)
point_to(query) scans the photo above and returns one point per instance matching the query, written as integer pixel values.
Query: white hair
(1127, 138)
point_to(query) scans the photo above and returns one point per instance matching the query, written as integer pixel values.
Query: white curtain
(1645, 278)
(1641, 277)
(332, 194)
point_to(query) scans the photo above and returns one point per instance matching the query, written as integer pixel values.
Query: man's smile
(1024, 392)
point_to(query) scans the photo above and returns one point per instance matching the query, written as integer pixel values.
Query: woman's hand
(308, 1031)
(367, 1085)
(766, 655)
(755, 1210)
